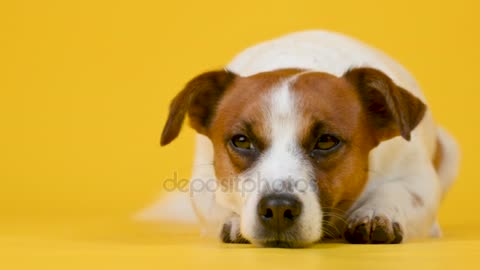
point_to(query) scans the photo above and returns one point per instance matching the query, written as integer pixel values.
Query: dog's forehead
(327, 98)
(247, 99)
(309, 95)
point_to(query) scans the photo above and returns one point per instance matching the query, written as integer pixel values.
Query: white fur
(281, 165)
(397, 168)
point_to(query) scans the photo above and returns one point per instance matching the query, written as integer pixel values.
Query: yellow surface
(84, 87)
(114, 244)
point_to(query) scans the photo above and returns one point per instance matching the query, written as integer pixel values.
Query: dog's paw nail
(379, 235)
(358, 232)
(226, 235)
(378, 230)
(398, 233)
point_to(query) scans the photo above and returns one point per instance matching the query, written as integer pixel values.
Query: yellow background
(84, 89)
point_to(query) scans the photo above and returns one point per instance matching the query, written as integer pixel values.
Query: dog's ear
(199, 98)
(391, 109)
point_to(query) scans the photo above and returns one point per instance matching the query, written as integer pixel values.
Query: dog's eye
(326, 142)
(241, 141)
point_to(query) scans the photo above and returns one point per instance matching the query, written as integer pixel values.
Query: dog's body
(397, 196)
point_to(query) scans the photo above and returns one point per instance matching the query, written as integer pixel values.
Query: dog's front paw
(365, 227)
(231, 232)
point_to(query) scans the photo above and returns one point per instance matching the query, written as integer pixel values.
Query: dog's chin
(280, 244)
(292, 238)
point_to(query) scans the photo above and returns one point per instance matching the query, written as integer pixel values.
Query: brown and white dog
(310, 136)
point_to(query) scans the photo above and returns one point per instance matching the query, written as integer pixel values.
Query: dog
(314, 136)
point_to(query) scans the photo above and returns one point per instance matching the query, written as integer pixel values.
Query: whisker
(333, 214)
(340, 219)
(328, 225)
(328, 233)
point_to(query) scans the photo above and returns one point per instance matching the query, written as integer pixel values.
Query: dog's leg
(397, 207)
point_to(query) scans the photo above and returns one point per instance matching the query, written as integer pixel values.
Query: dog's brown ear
(199, 98)
(391, 109)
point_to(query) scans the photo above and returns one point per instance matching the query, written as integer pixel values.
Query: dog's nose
(279, 211)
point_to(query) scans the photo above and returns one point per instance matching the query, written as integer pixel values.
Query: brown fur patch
(332, 106)
(199, 99)
(438, 155)
(393, 110)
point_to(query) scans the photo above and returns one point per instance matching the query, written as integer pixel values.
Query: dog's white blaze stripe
(282, 158)
(283, 162)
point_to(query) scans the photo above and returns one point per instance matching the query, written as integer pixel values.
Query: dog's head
(291, 146)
